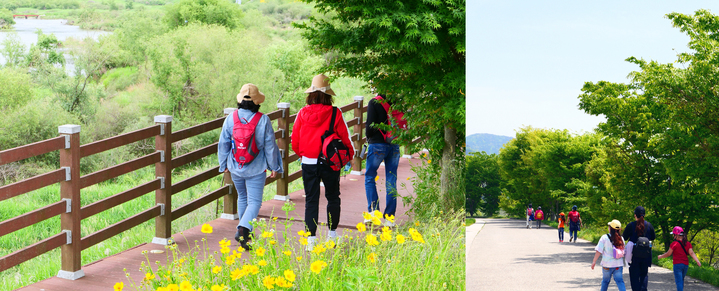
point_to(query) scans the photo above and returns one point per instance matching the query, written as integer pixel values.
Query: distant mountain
(486, 142)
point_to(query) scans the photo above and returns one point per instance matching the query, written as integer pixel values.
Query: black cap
(574, 207)
(639, 211)
(540, 207)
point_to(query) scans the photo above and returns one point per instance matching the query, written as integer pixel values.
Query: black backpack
(334, 153)
(643, 247)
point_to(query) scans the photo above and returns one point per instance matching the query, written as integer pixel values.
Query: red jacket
(311, 123)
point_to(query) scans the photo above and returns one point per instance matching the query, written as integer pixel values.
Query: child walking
(539, 216)
(530, 216)
(561, 220)
(611, 248)
(679, 249)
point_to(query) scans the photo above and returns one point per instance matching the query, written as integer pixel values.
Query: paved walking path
(104, 273)
(504, 255)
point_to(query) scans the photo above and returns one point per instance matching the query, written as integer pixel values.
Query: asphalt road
(503, 255)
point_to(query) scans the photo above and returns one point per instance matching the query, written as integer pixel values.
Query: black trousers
(639, 275)
(311, 177)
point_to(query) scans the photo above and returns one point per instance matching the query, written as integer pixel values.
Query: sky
(528, 60)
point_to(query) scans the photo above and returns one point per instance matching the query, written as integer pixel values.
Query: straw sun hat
(320, 83)
(250, 92)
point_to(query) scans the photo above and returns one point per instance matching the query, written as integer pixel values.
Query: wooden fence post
(230, 199)
(163, 170)
(358, 129)
(283, 125)
(70, 191)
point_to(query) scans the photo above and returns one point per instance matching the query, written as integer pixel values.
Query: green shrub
(6, 20)
(15, 89)
(120, 78)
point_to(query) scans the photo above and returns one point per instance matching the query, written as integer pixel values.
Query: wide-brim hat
(615, 224)
(250, 92)
(320, 83)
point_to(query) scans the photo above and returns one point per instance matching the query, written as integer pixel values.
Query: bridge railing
(69, 238)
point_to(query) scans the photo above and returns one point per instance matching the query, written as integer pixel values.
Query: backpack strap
(685, 250)
(332, 121)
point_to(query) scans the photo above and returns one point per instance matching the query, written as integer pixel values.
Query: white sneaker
(333, 236)
(366, 221)
(311, 242)
(388, 223)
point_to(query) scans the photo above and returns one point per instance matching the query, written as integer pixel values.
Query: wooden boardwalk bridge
(104, 273)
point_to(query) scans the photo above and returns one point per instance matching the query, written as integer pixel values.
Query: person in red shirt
(561, 220)
(575, 221)
(678, 250)
(311, 123)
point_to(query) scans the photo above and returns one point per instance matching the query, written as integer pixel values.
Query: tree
(414, 51)
(12, 50)
(220, 12)
(546, 168)
(6, 20)
(483, 183)
(662, 132)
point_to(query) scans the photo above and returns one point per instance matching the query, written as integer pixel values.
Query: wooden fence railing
(69, 237)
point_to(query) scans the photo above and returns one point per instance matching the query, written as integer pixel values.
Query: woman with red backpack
(246, 150)
(680, 249)
(318, 124)
(611, 248)
(381, 149)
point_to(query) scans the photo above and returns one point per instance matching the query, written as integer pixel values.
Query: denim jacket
(269, 157)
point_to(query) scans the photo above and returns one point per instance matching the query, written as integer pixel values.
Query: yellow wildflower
(287, 253)
(173, 287)
(260, 251)
(386, 229)
(267, 234)
(186, 286)
(299, 259)
(376, 178)
(274, 218)
(400, 239)
(371, 240)
(273, 242)
(282, 282)
(252, 269)
(377, 214)
(303, 241)
(289, 275)
(386, 236)
(330, 244)
(318, 249)
(206, 228)
(118, 286)
(361, 227)
(225, 243)
(416, 236)
(230, 260)
(366, 215)
(161, 289)
(262, 263)
(317, 266)
(303, 233)
(149, 276)
(389, 218)
(376, 221)
(237, 274)
(216, 269)
(225, 250)
(269, 282)
(372, 257)
(218, 287)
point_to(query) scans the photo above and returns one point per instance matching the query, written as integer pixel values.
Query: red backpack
(530, 211)
(244, 147)
(573, 216)
(395, 119)
(334, 153)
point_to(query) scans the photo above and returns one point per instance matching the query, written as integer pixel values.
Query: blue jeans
(561, 233)
(376, 153)
(680, 271)
(608, 273)
(572, 233)
(249, 197)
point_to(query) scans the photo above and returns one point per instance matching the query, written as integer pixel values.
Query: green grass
(469, 221)
(431, 257)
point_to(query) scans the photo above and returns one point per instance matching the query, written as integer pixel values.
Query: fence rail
(71, 213)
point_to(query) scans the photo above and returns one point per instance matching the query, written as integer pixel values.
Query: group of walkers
(634, 248)
(631, 247)
(247, 150)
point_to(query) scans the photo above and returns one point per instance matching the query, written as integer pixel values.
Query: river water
(26, 28)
